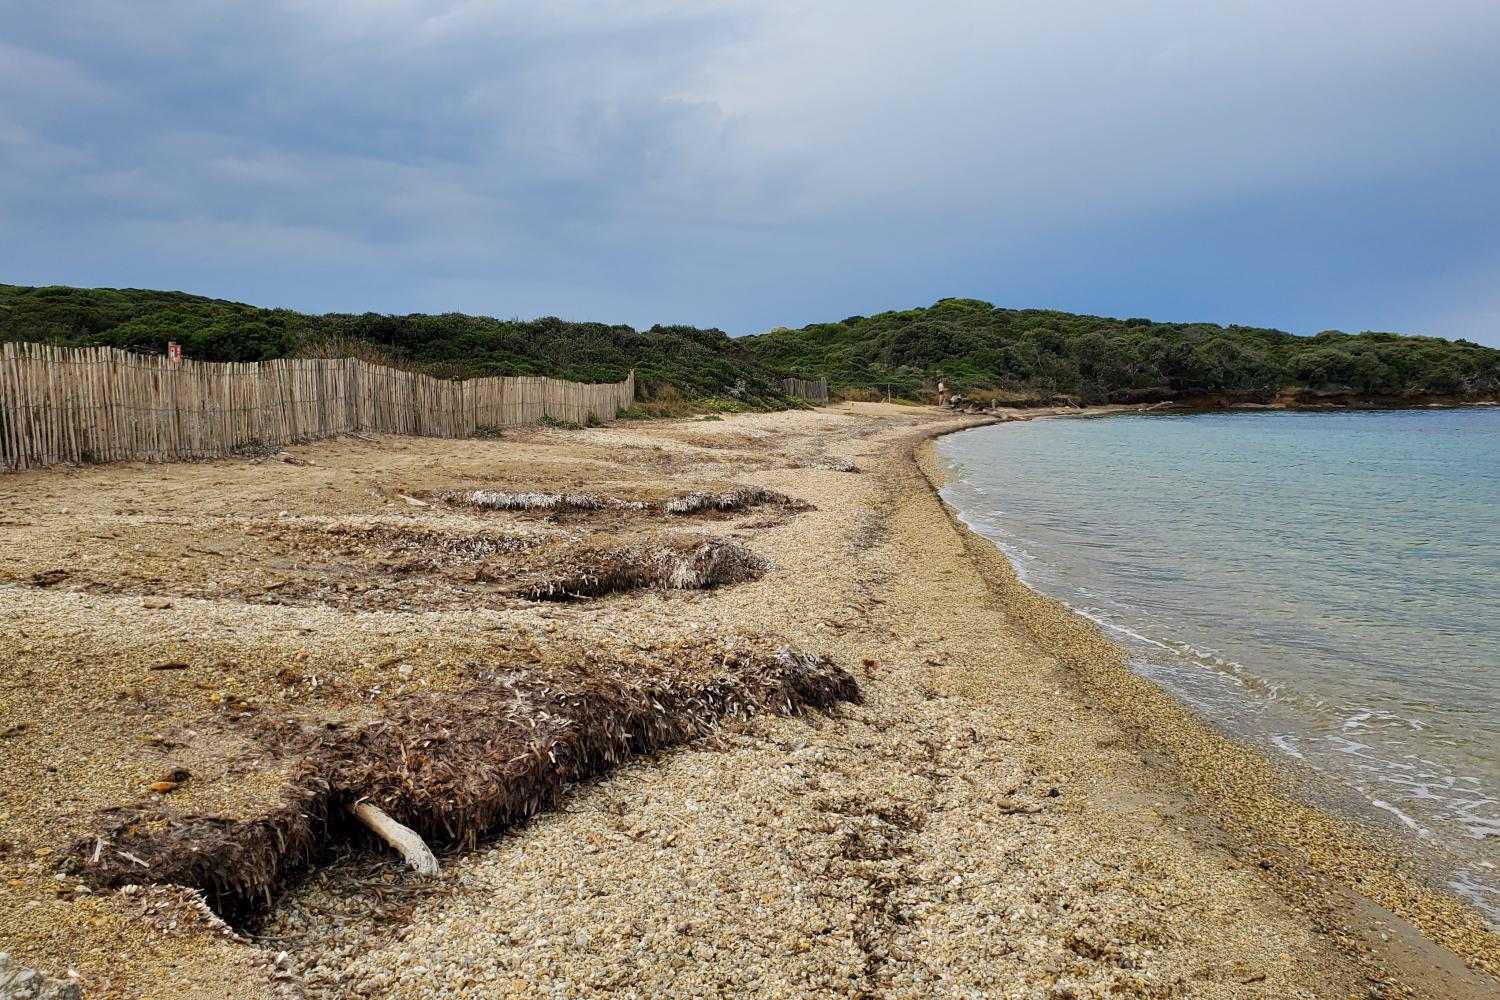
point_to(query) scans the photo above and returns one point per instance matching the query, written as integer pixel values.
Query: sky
(746, 164)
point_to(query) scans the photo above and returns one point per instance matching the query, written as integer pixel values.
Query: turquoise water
(1326, 585)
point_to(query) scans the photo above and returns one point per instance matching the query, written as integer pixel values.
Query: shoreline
(1214, 402)
(1345, 873)
(1280, 720)
(981, 819)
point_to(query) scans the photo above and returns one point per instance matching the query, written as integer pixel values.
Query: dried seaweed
(452, 765)
(664, 564)
(235, 863)
(742, 498)
(831, 465)
(455, 766)
(500, 500)
(399, 568)
(703, 501)
(417, 548)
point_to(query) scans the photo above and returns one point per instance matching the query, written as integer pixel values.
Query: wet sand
(1007, 811)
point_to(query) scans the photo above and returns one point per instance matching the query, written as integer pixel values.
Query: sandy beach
(804, 735)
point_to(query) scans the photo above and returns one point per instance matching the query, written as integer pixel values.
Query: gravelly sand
(980, 825)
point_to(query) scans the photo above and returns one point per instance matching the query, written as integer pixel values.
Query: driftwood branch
(402, 838)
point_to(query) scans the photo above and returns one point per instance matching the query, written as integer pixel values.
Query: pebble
(968, 830)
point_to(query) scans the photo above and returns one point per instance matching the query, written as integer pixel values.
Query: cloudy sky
(753, 163)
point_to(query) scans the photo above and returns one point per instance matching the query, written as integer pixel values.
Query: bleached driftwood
(403, 838)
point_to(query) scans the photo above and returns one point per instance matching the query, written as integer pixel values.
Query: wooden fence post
(99, 404)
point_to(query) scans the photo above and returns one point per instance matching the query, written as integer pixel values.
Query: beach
(891, 769)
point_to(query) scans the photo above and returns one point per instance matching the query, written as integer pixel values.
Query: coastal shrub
(661, 399)
(1031, 354)
(697, 362)
(855, 394)
(716, 404)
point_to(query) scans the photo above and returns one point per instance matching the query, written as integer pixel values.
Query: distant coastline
(1287, 399)
(1308, 399)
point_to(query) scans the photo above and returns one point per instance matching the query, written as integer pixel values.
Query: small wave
(1403, 817)
(1287, 745)
(1483, 896)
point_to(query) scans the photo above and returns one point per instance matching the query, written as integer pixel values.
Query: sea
(1325, 585)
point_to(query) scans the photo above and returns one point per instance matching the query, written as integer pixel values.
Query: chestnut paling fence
(815, 390)
(98, 404)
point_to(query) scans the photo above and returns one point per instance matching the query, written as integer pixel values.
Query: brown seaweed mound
(408, 549)
(663, 564)
(831, 465)
(742, 498)
(451, 765)
(501, 500)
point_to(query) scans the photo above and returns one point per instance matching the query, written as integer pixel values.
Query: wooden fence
(809, 389)
(73, 405)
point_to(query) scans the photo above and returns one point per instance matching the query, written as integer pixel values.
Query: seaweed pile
(742, 498)
(702, 501)
(831, 465)
(453, 765)
(411, 549)
(501, 500)
(667, 563)
(280, 563)
(396, 567)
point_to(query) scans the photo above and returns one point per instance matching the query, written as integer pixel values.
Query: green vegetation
(697, 363)
(982, 351)
(718, 404)
(1035, 353)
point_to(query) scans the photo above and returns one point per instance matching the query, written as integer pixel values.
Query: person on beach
(942, 393)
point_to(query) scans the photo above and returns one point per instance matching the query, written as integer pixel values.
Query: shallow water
(1324, 584)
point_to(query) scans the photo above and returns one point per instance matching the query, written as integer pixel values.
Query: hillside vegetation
(698, 363)
(1022, 354)
(1037, 352)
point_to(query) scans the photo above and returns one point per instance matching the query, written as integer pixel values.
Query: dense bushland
(1017, 353)
(1036, 352)
(699, 363)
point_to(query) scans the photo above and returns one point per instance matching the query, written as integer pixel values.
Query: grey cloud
(747, 164)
